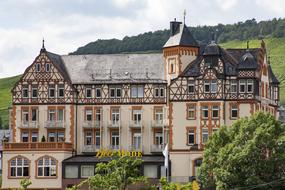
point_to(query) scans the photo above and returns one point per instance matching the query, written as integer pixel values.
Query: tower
(180, 49)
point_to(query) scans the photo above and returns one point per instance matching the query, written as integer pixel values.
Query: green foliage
(115, 175)
(174, 186)
(25, 183)
(249, 153)
(43, 139)
(6, 84)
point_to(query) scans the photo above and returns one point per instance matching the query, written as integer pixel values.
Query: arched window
(46, 167)
(19, 167)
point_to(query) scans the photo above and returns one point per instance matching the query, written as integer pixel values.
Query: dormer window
(211, 61)
(47, 67)
(38, 67)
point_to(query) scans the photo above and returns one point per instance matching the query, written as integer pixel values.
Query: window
(159, 92)
(115, 139)
(34, 92)
(51, 137)
(215, 112)
(34, 115)
(51, 115)
(115, 116)
(98, 93)
(25, 93)
(19, 167)
(71, 171)
(60, 91)
(25, 116)
(234, 111)
(213, 86)
(25, 136)
(206, 86)
(191, 111)
(46, 167)
(115, 92)
(172, 68)
(211, 61)
(137, 117)
(47, 67)
(35, 136)
(205, 135)
(205, 112)
(150, 171)
(191, 137)
(98, 115)
(97, 139)
(191, 87)
(233, 87)
(158, 115)
(242, 86)
(51, 92)
(88, 92)
(137, 140)
(249, 85)
(137, 91)
(88, 138)
(38, 67)
(158, 138)
(89, 115)
(60, 136)
(60, 115)
(87, 171)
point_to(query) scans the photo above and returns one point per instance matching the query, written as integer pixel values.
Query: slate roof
(272, 77)
(182, 37)
(111, 68)
(94, 159)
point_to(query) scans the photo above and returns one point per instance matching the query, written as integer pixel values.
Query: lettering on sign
(109, 153)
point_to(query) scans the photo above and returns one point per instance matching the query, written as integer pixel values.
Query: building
(4, 137)
(66, 108)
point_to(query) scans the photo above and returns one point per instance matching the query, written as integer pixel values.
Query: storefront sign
(109, 153)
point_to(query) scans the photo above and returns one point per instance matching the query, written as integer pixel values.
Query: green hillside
(276, 50)
(5, 97)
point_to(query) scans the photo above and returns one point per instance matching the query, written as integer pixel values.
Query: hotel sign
(109, 153)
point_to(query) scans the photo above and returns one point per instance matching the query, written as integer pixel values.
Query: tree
(117, 174)
(250, 153)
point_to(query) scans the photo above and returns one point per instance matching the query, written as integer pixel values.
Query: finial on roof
(213, 37)
(43, 46)
(247, 44)
(184, 15)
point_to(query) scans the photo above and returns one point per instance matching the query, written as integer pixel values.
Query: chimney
(174, 27)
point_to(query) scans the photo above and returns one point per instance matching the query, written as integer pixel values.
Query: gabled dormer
(180, 49)
(44, 81)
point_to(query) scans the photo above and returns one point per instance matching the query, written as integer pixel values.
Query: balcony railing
(55, 124)
(91, 148)
(114, 124)
(38, 146)
(114, 147)
(135, 148)
(28, 125)
(156, 148)
(91, 124)
(157, 123)
(135, 124)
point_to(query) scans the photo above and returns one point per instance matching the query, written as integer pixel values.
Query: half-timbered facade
(66, 108)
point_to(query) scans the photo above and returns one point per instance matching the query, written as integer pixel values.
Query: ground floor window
(46, 167)
(197, 164)
(150, 171)
(71, 171)
(87, 171)
(19, 167)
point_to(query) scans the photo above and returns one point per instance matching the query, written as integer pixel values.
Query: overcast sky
(69, 24)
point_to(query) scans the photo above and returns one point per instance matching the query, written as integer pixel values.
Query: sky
(68, 24)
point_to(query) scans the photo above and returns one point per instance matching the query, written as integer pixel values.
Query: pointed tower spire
(43, 46)
(184, 15)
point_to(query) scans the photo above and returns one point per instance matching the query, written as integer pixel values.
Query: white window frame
(51, 111)
(116, 138)
(24, 163)
(234, 108)
(137, 140)
(242, 82)
(88, 135)
(59, 89)
(137, 117)
(115, 116)
(49, 92)
(137, 91)
(97, 138)
(191, 132)
(47, 67)
(89, 112)
(215, 108)
(38, 67)
(158, 138)
(25, 89)
(86, 91)
(49, 163)
(35, 89)
(205, 108)
(250, 83)
(100, 92)
(192, 84)
(207, 83)
(212, 85)
(205, 131)
(233, 85)
(191, 108)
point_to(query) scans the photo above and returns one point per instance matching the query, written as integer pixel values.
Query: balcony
(156, 148)
(38, 146)
(55, 124)
(91, 148)
(135, 124)
(92, 124)
(157, 123)
(29, 125)
(135, 148)
(114, 124)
